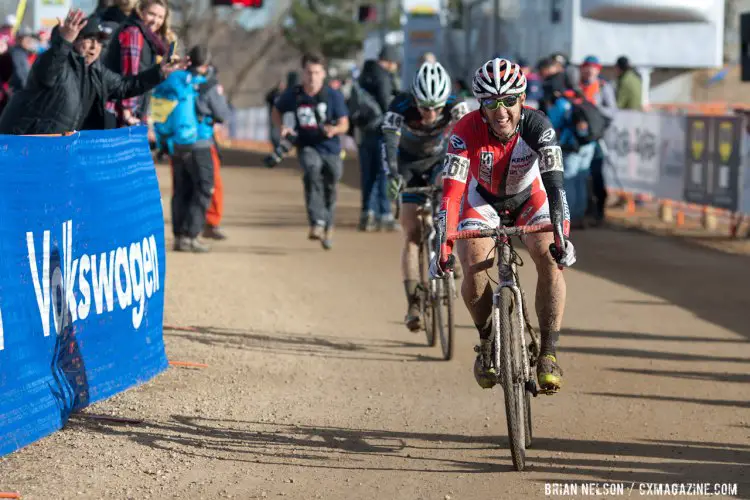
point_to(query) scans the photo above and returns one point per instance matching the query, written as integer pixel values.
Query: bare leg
(410, 264)
(412, 235)
(550, 285)
(550, 306)
(477, 257)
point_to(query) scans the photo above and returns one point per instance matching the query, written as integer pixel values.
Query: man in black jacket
(26, 45)
(68, 87)
(378, 79)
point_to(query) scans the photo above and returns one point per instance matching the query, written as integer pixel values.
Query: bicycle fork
(508, 280)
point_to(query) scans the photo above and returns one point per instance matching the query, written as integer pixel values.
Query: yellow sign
(423, 10)
(726, 134)
(161, 109)
(698, 142)
(20, 9)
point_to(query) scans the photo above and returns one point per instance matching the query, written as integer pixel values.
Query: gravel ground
(314, 389)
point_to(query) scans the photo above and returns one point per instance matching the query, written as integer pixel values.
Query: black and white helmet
(498, 77)
(432, 85)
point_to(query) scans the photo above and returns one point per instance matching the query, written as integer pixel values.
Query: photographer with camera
(320, 117)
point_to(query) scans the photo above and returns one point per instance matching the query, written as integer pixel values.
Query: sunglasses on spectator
(506, 102)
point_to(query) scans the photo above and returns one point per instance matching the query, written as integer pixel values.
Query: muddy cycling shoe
(413, 319)
(549, 374)
(484, 373)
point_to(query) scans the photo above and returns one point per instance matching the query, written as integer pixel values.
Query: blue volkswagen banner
(81, 276)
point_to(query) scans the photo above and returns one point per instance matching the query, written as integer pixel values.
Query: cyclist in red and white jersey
(504, 164)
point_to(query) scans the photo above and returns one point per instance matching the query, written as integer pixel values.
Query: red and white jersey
(480, 161)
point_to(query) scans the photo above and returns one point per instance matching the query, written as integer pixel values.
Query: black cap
(389, 53)
(623, 63)
(94, 29)
(199, 55)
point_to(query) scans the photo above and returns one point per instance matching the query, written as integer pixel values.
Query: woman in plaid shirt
(139, 43)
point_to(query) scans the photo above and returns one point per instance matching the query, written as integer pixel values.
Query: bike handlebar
(422, 190)
(501, 232)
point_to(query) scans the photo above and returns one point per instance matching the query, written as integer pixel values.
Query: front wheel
(511, 375)
(443, 314)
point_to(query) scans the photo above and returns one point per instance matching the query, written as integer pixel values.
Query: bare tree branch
(273, 37)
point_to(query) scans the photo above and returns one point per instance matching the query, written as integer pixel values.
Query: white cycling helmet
(498, 77)
(432, 85)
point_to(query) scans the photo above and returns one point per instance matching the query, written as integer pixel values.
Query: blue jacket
(560, 114)
(173, 109)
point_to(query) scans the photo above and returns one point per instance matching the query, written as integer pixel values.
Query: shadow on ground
(300, 344)
(386, 450)
(706, 282)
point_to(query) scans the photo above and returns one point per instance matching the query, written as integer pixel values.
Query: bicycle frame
(506, 269)
(425, 212)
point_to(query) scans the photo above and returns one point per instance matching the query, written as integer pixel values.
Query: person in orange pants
(216, 209)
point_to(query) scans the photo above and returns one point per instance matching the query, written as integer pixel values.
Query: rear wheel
(528, 429)
(511, 373)
(443, 314)
(426, 296)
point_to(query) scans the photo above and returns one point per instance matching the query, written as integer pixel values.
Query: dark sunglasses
(506, 102)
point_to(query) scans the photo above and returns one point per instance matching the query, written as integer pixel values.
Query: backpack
(173, 109)
(588, 122)
(364, 109)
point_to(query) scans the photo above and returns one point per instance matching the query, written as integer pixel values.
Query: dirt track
(315, 390)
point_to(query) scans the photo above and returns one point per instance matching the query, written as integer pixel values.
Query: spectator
(629, 92)
(213, 109)
(140, 42)
(377, 78)
(6, 30)
(43, 37)
(534, 92)
(461, 89)
(601, 93)
(553, 79)
(427, 57)
(116, 14)
(320, 117)
(6, 71)
(22, 57)
(572, 75)
(292, 78)
(195, 103)
(577, 158)
(68, 87)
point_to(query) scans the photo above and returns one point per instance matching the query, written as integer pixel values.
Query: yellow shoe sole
(549, 383)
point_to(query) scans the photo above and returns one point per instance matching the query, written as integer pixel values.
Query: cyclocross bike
(515, 346)
(437, 295)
